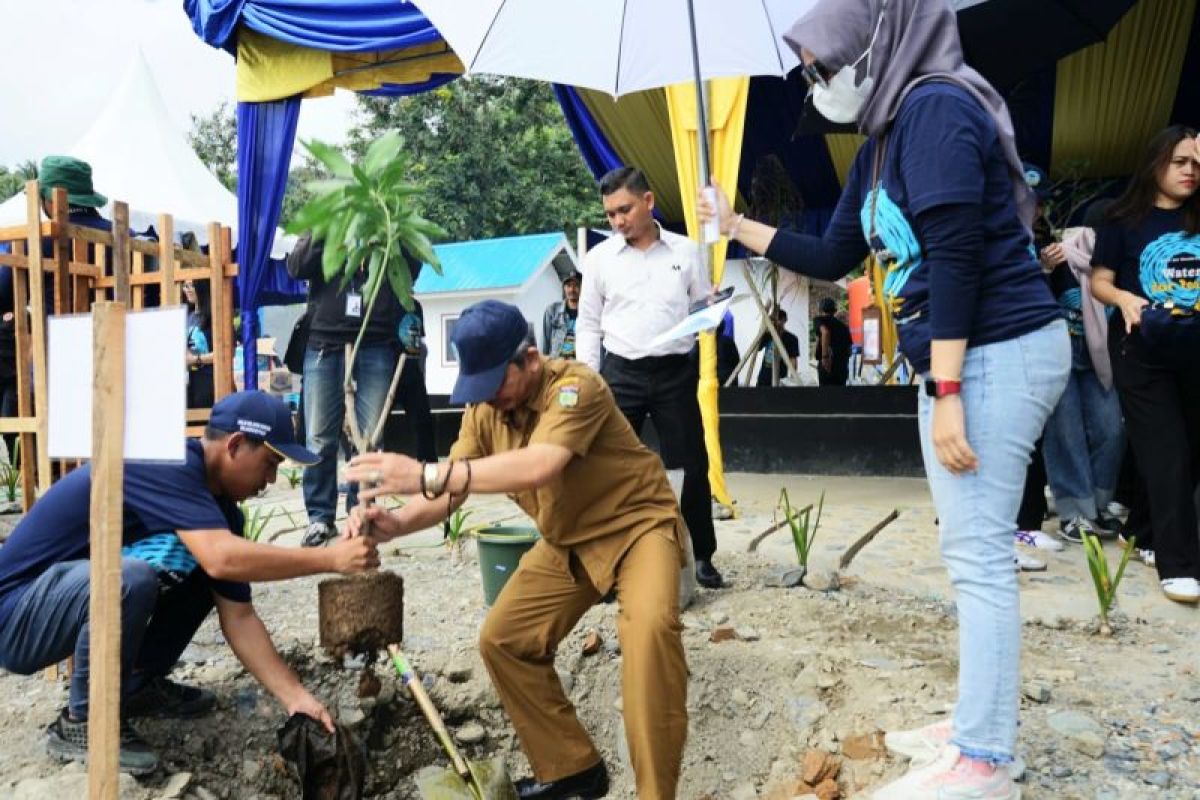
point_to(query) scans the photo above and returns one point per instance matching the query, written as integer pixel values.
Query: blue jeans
(1084, 441)
(324, 406)
(1009, 389)
(50, 622)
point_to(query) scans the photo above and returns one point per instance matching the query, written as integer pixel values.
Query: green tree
(494, 157)
(214, 138)
(12, 180)
(297, 192)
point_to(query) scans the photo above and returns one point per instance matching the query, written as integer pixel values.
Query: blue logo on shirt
(1071, 302)
(1170, 270)
(899, 240)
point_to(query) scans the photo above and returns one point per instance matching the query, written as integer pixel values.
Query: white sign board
(155, 385)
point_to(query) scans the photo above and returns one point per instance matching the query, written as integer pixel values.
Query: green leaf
(401, 282)
(331, 157)
(382, 152)
(325, 186)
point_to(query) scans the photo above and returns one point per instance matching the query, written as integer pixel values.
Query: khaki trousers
(539, 606)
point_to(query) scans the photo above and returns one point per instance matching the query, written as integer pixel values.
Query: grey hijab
(917, 42)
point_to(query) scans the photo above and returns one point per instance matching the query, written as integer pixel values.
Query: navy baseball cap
(485, 337)
(264, 418)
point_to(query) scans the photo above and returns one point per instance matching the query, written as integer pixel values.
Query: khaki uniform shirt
(613, 492)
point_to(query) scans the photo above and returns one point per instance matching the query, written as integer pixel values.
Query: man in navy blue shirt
(184, 554)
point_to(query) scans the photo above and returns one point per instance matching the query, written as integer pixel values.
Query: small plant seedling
(1104, 581)
(294, 476)
(256, 519)
(455, 529)
(802, 525)
(10, 473)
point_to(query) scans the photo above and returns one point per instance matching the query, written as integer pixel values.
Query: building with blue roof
(525, 270)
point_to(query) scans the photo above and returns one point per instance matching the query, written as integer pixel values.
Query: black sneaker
(1106, 526)
(67, 740)
(160, 697)
(318, 534)
(590, 784)
(1072, 530)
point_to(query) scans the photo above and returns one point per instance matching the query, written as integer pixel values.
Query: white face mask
(842, 100)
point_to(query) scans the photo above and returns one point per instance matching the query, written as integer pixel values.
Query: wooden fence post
(37, 303)
(104, 614)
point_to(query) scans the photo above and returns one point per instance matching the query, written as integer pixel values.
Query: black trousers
(179, 612)
(412, 396)
(1032, 513)
(1161, 401)
(664, 389)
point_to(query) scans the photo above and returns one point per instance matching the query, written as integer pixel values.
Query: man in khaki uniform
(548, 433)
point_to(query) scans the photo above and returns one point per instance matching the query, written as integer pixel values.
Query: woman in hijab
(936, 194)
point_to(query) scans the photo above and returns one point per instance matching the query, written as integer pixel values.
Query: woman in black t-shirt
(1147, 264)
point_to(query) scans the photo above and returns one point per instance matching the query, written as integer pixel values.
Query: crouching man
(548, 432)
(184, 553)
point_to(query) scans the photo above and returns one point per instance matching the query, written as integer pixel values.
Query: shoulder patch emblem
(568, 396)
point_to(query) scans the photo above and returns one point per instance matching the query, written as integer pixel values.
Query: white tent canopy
(139, 156)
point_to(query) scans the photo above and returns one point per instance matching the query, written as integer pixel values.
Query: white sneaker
(924, 744)
(1038, 540)
(1139, 553)
(1181, 590)
(951, 776)
(1115, 509)
(1027, 563)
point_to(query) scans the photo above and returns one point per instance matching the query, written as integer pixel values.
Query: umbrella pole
(711, 232)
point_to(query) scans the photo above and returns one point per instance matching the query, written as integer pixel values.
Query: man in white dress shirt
(636, 285)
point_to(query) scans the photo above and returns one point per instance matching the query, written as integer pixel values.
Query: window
(449, 356)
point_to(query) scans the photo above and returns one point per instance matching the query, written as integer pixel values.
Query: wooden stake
(866, 538)
(166, 260)
(120, 251)
(37, 304)
(62, 278)
(104, 614)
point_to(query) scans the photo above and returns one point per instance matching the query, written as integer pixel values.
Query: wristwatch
(938, 388)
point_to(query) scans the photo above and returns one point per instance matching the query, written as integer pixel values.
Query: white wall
(440, 372)
(793, 296)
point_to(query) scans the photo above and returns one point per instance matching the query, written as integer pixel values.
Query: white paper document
(702, 320)
(155, 385)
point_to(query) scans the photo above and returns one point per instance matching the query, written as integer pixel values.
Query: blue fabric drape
(348, 26)
(406, 89)
(266, 133)
(597, 153)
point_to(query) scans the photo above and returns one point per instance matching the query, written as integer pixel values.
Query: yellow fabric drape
(887, 334)
(843, 147)
(636, 126)
(269, 69)
(1110, 98)
(727, 119)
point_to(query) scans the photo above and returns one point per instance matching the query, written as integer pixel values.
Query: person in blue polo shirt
(937, 194)
(184, 555)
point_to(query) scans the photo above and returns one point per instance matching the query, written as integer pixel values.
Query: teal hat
(73, 175)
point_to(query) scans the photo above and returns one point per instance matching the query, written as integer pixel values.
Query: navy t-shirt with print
(158, 498)
(942, 150)
(1069, 295)
(1154, 259)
